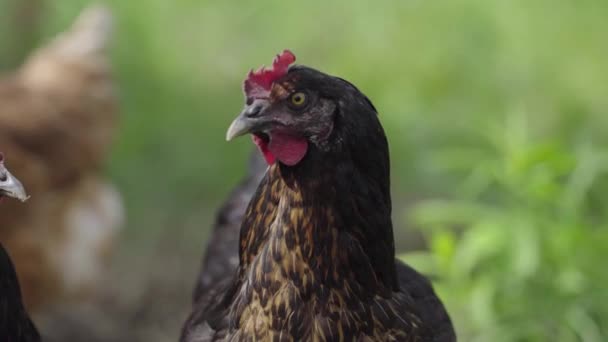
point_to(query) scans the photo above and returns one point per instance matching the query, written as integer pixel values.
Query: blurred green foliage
(525, 262)
(495, 111)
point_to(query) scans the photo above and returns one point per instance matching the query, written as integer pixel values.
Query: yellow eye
(298, 99)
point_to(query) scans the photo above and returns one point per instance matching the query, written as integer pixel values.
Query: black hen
(316, 252)
(15, 323)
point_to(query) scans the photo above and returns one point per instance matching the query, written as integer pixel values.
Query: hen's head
(294, 111)
(9, 185)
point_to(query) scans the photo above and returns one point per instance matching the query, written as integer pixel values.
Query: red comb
(258, 82)
(1, 157)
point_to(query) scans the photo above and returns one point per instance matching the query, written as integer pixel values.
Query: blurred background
(496, 114)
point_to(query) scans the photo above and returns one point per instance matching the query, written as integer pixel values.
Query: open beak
(251, 120)
(11, 186)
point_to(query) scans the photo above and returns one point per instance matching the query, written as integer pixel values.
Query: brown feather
(58, 116)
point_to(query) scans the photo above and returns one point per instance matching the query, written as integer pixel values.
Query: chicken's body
(15, 322)
(305, 280)
(316, 260)
(57, 117)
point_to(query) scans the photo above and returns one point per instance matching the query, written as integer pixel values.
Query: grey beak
(240, 126)
(11, 186)
(252, 119)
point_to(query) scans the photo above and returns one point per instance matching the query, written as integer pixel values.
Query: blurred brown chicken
(58, 114)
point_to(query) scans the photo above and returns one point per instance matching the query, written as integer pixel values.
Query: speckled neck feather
(303, 217)
(307, 247)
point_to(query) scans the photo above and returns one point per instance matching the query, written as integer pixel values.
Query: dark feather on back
(221, 256)
(15, 323)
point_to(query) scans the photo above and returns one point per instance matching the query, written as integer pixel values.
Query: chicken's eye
(298, 99)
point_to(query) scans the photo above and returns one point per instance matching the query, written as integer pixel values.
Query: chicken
(316, 251)
(58, 114)
(221, 256)
(15, 323)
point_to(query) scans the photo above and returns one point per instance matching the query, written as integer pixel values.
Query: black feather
(15, 323)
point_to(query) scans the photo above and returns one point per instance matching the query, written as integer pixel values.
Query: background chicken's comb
(258, 82)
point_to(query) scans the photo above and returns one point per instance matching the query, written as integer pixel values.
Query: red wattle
(288, 149)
